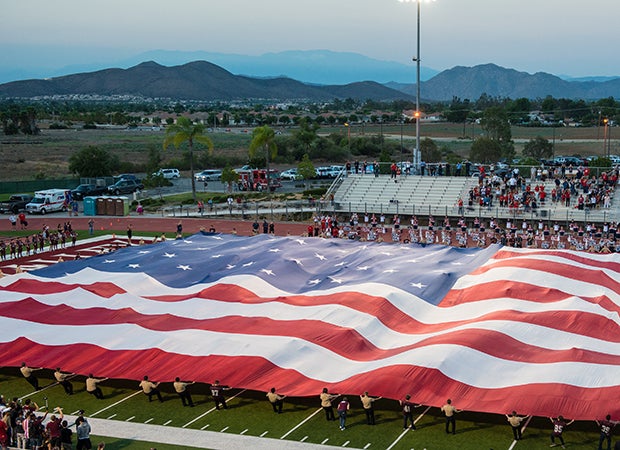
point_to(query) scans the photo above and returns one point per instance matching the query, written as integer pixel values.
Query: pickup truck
(87, 190)
(125, 186)
(16, 203)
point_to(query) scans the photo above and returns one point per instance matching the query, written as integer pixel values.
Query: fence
(13, 187)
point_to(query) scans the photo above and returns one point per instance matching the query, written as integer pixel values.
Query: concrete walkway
(188, 437)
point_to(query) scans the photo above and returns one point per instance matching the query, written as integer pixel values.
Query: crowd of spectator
(470, 233)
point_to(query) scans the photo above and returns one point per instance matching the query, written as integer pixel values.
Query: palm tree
(184, 130)
(263, 139)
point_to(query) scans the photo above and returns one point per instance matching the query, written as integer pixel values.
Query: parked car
(208, 175)
(291, 174)
(126, 176)
(567, 160)
(125, 187)
(168, 174)
(87, 190)
(16, 203)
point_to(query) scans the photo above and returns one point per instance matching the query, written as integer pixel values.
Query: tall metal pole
(417, 95)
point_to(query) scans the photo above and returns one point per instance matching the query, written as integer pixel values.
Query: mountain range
(205, 81)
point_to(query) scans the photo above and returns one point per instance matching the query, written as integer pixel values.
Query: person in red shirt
(53, 428)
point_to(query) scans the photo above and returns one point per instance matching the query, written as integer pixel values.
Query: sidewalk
(189, 437)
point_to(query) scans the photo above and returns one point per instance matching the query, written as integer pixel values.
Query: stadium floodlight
(416, 58)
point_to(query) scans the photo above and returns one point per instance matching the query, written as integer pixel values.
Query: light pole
(605, 147)
(416, 152)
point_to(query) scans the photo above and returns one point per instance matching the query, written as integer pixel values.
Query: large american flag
(494, 329)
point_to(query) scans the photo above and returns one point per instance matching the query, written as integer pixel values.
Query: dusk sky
(554, 36)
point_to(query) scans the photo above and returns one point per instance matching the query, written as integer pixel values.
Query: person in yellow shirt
(326, 403)
(276, 400)
(92, 386)
(367, 404)
(181, 388)
(150, 388)
(515, 422)
(449, 410)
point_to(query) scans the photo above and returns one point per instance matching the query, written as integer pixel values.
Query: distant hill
(205, 81)
(471, 82)
(21, 62)
(198, 80)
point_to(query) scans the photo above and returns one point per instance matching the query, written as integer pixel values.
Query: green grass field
(249, 413)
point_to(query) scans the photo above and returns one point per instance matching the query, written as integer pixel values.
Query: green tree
(306, 169)
(229, 176)
(459, 111)
(306, 134)
(263, 141)
(497, 127)
(93, 162)
(538, 148)
(485, 151)
(187, 131)
(429, 150)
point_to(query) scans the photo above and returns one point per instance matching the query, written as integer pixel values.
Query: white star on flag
(184, 267)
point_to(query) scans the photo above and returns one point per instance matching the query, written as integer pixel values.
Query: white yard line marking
(148, 420)
(303, 439)
(114, 404)
(407, 430)
(421, 415)
(111, 417)
(209, 411)
(130, 419)
(224, 429)
(345, 444)
(324, 440)
(206, 426)
(244, 431)
(40, 390)
(366, 446)
(263, 435)
(166, 423)
(302, 422)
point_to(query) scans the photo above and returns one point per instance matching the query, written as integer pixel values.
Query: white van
(48, 201)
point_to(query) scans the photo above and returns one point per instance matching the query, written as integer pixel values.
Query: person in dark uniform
(217, 392)
(150, 388)
(606, 426)
(27, 372)
(408, 406)
(558, 428)
(276, 400)
(181, 388)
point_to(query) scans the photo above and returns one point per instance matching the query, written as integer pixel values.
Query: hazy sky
(574, 38)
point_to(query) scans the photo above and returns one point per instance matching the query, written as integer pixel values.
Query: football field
(250, 415)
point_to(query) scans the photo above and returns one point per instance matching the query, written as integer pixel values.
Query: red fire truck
(257, 180)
